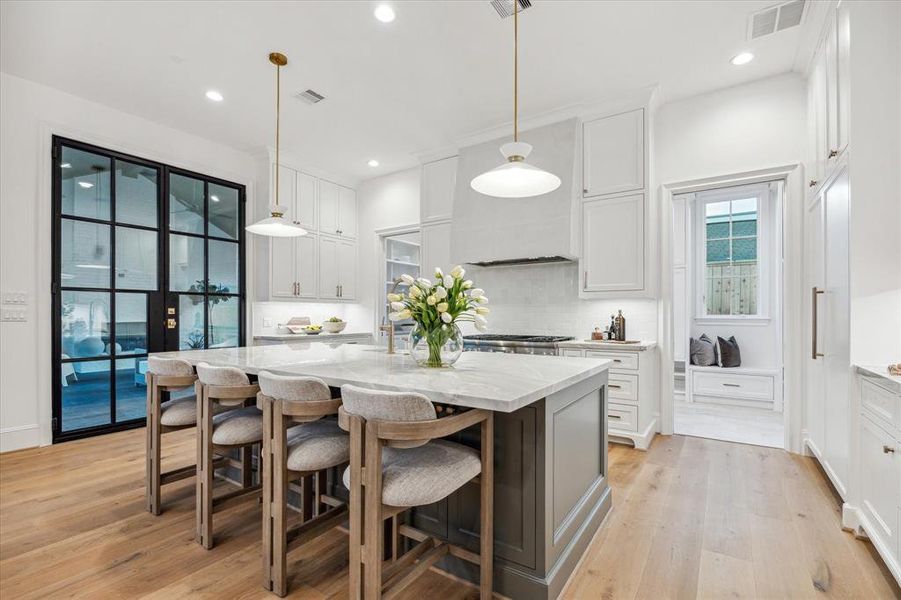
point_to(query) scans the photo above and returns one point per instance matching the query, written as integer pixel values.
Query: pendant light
(276, 225)
(515, 178)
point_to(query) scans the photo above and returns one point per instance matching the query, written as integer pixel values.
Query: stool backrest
(293, 389)
(211, 375)
(387, 406)
(170, 367)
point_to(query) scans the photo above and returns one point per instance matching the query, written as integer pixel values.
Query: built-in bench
(737, 386)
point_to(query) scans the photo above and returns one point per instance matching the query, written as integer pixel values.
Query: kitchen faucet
(389, 326)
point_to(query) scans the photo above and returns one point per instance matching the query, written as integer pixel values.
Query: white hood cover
(487, 230)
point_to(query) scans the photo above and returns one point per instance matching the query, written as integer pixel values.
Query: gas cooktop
(498, 337)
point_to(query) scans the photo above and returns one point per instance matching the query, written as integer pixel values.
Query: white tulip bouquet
(437, 307)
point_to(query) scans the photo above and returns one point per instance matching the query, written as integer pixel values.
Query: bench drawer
(621, 360)
(622, 417)
(732, 385)
(622, 386)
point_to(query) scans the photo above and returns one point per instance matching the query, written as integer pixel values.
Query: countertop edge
(588, 345)
(893, 381)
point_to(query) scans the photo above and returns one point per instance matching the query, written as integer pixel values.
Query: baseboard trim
(864, 527)
(19, 437)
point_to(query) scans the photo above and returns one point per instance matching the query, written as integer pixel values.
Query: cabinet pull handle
(888, 450)
(341, 291)
(613, 385)
(813, 316)
(833, 153)
(617, 360)
(584, 190)
(585, 281)
(732, 384)
(813, 183)
(614, 417)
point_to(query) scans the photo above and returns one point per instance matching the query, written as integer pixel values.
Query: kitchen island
(551, 489)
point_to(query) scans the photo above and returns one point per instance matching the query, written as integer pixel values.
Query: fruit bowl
(334, 326)
(312, 329)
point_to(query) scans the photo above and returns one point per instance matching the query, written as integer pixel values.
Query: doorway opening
(727, 313)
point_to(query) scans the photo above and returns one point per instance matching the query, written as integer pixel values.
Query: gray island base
(551, 489)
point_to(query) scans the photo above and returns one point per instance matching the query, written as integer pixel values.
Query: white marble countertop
(305, 337)
(893, 381)
(606, 345)
(494, 381)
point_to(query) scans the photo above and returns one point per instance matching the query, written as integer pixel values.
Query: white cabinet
(293, 267)
(613, 244)
(632, 407)
(306, 201)
(613, 154)
(437, 189)
(436, 241)
(879, 480)
(347, 212)
(337, 269)
(337, 209)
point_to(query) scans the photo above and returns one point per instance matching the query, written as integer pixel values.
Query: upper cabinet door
(287, 190)
(307, 262)
(613, 244)
(347, 270)
(328, 268)
(347, 212)
(328, 207)
(844, 82)
(613, 154)
(820, 118)
(306, 202)
(439, 178)
(282, 268)
(435, 250)
(830, 52)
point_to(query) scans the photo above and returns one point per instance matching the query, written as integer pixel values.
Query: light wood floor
(692, 518)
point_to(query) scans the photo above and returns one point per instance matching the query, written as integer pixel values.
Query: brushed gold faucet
(389, 326)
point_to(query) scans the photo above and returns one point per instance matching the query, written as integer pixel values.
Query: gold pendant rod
(279, 60)
(515, 70)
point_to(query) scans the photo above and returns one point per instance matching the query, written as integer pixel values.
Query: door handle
(171, 323)
(833, 153)
(888, 450)
(813, 310)
(813, 183)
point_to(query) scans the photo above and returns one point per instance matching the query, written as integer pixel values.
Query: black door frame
(158, 336)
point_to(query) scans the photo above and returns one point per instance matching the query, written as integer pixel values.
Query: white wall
(29, 114)
(875, 172)
(383, 202)
(739, 129)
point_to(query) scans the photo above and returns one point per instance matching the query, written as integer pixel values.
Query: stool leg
(153, 446)
(204, 508)
(267, 475)
(280, 480)
(356, 508)
(246, 466)
(373, 531)
(486, 510)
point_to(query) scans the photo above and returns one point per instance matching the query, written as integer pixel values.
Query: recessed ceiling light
(384, 13)
(86, 184)
(214, 96)
(66, 166)
(373, 162)
(214, 198)
(742, 59)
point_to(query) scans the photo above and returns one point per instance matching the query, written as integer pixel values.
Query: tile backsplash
(544, 299)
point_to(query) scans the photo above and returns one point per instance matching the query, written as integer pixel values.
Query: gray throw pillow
(729, 355)
(702, 351)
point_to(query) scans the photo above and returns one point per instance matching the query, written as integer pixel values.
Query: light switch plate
(18, 315)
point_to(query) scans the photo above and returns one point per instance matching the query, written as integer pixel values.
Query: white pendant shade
(515, 178)
(276, 225)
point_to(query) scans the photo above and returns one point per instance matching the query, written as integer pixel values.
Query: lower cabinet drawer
(879, 401)
(621, 360)
(571, 352)
(622, 387)
(732, 385)
(622, 416)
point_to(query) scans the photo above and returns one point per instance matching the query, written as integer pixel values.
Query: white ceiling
(441, 71)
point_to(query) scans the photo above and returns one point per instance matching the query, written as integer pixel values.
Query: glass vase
(439, 346)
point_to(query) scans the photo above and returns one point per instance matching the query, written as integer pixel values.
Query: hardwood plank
(723, 576)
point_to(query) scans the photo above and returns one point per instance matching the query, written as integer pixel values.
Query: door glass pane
(223, 321)
(223, 212)
(131, 388)
(131, 324)
(136, 252)
(186, 263)
(185, 204)
(85, 184)
(223, 267)
(85, 324)
(85, 394)
(190, 322)
(85, 254)
(136, 194)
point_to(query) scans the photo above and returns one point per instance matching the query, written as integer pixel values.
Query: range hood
(489, 231)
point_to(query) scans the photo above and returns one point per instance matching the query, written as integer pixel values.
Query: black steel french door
(136, 245)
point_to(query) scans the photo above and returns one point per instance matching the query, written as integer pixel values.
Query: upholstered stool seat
(238, 427)
(317, 445)
(426, 474)
(179, 412)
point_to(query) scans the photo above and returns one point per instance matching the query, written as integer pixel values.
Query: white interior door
(836, 333)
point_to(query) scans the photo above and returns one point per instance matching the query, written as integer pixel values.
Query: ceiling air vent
(504, 8)
(309, 96)
(775, 18)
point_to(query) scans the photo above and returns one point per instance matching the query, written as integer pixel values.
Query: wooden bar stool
(303, 452)
(240, 427)
(166, 375)
(398, 462)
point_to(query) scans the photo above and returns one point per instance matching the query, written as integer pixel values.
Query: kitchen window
(733, 226)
